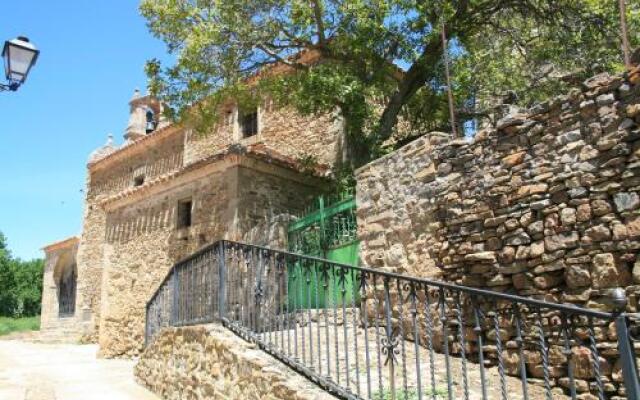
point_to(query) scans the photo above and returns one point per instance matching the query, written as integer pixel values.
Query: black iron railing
(367, 334)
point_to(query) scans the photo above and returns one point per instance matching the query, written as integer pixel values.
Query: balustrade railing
(367, 334)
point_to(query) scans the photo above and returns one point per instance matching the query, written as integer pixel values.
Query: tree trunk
(413, 79)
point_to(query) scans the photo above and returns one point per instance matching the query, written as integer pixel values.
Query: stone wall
(211, 362)
(113, 175)
(546, 205)
(262, 197)
(317, 136)
(90, 266)
(150, 160)
(143, 240)
(281, 129)
(271, 233)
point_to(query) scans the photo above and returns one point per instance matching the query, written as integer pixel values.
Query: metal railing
(367, 334)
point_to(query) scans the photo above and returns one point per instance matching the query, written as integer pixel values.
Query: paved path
(35, 371)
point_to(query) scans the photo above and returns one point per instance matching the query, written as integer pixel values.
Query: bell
(151, 126)
(151, 123)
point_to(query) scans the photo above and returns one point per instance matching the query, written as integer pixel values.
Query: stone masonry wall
(281, 129)
(546, 205)
(211, 362)
(158, 157)
(142, 245)
(90, 265)
(149, 161)
(143, 242)
(103, 181)
(264, 197)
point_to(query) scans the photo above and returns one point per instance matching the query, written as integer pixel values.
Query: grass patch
(410, 394)
(9, 325)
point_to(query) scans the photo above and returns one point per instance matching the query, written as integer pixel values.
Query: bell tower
(145, 115)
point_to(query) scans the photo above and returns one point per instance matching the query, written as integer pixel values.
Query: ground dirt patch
(37, 371)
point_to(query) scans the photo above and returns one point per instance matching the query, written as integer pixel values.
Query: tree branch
(413, 79)
(281, 59)
(317, 12)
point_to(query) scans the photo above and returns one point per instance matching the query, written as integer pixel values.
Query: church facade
(168, 191)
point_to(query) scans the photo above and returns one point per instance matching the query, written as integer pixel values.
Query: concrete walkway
(35, 371)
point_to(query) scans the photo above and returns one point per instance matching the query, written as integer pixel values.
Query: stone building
(168, 191)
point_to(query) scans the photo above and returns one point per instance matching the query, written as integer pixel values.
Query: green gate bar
(329, 232)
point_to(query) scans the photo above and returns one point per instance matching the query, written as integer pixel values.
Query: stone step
(59, 334)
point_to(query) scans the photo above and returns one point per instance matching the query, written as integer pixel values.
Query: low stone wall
(210, 362)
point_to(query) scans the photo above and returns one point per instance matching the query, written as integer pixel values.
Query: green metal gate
(329, 231)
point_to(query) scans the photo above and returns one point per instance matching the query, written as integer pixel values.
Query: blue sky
(92, 58)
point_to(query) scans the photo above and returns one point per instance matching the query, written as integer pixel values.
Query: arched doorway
(67, 292)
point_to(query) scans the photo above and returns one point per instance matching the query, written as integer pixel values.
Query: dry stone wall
(545, 205)
(209, 362)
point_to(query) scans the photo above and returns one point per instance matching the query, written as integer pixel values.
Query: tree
(523, 45)
(7, 279)
(27, 289)
(20, 284)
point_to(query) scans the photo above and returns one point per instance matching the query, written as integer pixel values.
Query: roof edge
(135, 145)
(61, 244)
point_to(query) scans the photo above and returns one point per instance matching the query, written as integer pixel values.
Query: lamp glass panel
(19, 61)
(6, 66)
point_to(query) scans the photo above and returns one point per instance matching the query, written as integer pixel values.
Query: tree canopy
(533, 48)
(20, 284)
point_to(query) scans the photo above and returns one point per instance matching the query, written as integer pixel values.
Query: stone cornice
(256, 159)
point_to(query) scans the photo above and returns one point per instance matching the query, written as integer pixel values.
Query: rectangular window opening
(249, 122)
(184, 213)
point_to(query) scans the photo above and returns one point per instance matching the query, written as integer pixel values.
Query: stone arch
(65, 276)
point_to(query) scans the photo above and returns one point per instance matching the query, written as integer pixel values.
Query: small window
(138, 180)
(249, 123)
(184, 214)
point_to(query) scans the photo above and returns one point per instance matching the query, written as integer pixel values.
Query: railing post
(222, 278)
(627, 358)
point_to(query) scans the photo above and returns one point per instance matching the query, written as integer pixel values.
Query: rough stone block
(604, 273)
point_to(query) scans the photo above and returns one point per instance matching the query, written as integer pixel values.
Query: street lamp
(19, 56)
